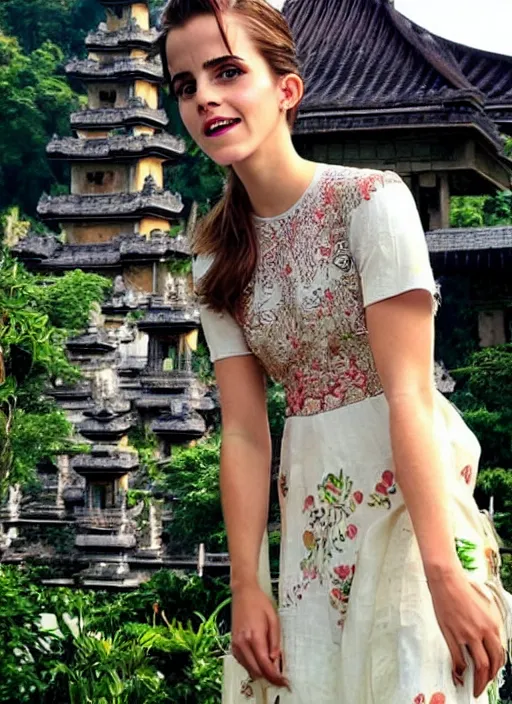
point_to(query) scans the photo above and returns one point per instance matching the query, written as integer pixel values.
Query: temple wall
(140, 13)
(148, 224)
(146, 167)
(117, 19)
(89, 234)
(148, 92)
(491, 328)
(100, 94)
(143, 129)
(403, 154)
(99, 178)
(139, 278)
(92, 134)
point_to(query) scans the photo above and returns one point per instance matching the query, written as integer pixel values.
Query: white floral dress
(357, 616)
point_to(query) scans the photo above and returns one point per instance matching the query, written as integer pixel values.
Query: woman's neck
(275, 180)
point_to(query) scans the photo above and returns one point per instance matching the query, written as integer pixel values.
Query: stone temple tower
(137, 357)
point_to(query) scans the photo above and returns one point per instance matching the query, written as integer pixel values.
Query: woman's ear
(292, 90)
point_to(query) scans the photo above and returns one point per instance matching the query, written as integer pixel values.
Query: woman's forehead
(200, 41)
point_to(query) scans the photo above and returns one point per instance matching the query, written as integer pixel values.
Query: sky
(483, 24)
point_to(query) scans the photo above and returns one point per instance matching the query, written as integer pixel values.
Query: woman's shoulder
(363, 179)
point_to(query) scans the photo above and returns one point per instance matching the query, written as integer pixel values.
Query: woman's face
(228, 103)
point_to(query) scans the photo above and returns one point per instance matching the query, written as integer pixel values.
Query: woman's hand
(468, 620)
(256, 635)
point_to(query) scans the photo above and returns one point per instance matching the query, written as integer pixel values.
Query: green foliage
(497, 482)
(34, 438)
(36, 103)
(456, 323)
(192, 476)
(32, 357)
(179, 266)
(482, 211)
(63, 22)
(68, 300)
(80, 647)
(276, 407)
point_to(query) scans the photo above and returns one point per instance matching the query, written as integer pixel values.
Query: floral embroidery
(383, 490)
(302, 314)
(467, 473)
(246, 689)
(340, 591)
(466, 552)
(283, 484)
(326, 530)
(437, 698)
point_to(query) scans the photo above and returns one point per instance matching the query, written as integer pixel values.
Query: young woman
(319, 277)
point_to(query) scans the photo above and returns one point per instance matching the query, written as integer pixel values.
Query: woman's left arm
(401, 334)
(401, 337)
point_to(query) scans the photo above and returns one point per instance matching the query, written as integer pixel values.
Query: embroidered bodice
(335, 251)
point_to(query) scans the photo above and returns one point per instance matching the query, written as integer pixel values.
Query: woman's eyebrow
(211, 63)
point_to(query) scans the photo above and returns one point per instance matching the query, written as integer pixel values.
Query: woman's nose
(207, 96)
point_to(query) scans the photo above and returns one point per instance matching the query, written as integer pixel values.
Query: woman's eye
(232, 72)
(185, 90)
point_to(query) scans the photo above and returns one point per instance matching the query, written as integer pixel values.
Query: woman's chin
(228, 156)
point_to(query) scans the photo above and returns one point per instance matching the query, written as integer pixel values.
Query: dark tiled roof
(110, 207)
(362, 57)
(48, 253)
(163, 145)
(89, 70)
(136, 114)
(469, 239)
(130, 37)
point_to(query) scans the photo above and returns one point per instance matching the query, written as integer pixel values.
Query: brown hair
(228, 231)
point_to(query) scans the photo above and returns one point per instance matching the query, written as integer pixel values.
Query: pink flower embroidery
(438, 698)
(351, 531)
(358, 497)
(467, 473)
(325, 251)
(420, 699)
(309, 503)
(287, 270)
(343, 571)
(337, 594)
(367, 185)
(383, 489)
(329, 296)
(388, 478)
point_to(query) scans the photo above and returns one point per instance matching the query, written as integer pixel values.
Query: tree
(36, 103)
(62, 22)
(36, 318)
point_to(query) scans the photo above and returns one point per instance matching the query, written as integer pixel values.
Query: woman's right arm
(245, 484)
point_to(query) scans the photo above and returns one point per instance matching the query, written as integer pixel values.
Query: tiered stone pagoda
(137, 370)
(382, 92)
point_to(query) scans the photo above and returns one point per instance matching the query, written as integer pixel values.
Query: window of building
(108, 98)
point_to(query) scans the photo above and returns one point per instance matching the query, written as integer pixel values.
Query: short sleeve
(388, 243)
(223, 334)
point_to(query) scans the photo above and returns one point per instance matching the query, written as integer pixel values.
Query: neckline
(292, 208)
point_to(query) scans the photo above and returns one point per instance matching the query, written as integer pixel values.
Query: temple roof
(117, 147)
(46, 252)
(131, 36)
(469, 238)
(136, 113)
(476, 248)
(90, 70)
(492, 74)
(170, 318)
(362, 59)
(115, 206)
